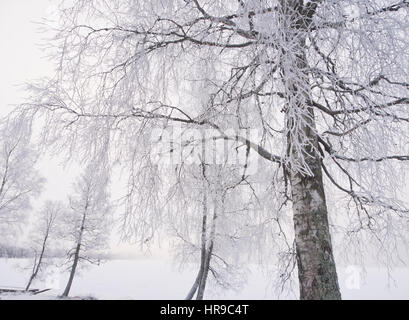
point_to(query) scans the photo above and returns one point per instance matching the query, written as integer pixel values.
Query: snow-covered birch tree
(19, 180)
(88, 220)
(202, 207)
(324, 82)
(43, 237)
(209, 208)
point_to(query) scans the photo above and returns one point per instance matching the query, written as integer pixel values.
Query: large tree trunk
(316, 266)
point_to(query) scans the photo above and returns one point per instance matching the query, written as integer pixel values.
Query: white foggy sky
(20, 57)
(22, 60)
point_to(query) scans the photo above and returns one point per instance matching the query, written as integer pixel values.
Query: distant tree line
(19, 252)
(9, 251)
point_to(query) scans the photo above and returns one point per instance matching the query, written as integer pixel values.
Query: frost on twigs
(20, 182)
(324, 82)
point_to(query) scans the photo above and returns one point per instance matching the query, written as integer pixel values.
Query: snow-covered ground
(158, 279)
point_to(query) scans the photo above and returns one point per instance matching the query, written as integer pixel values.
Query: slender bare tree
(214, 231)
(324, 81)
(206, 207)
(87, 223)
(43, 236)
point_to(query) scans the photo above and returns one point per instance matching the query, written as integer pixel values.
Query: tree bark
(33, 273)
(38, 265)
(195, 285)
(203, 255)
(315, 261)
(199, 277)
(207, 241)
(207, 258)
(203, 280)
(76, 257)
(316, 266)
(205, 272)
(72, 273)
